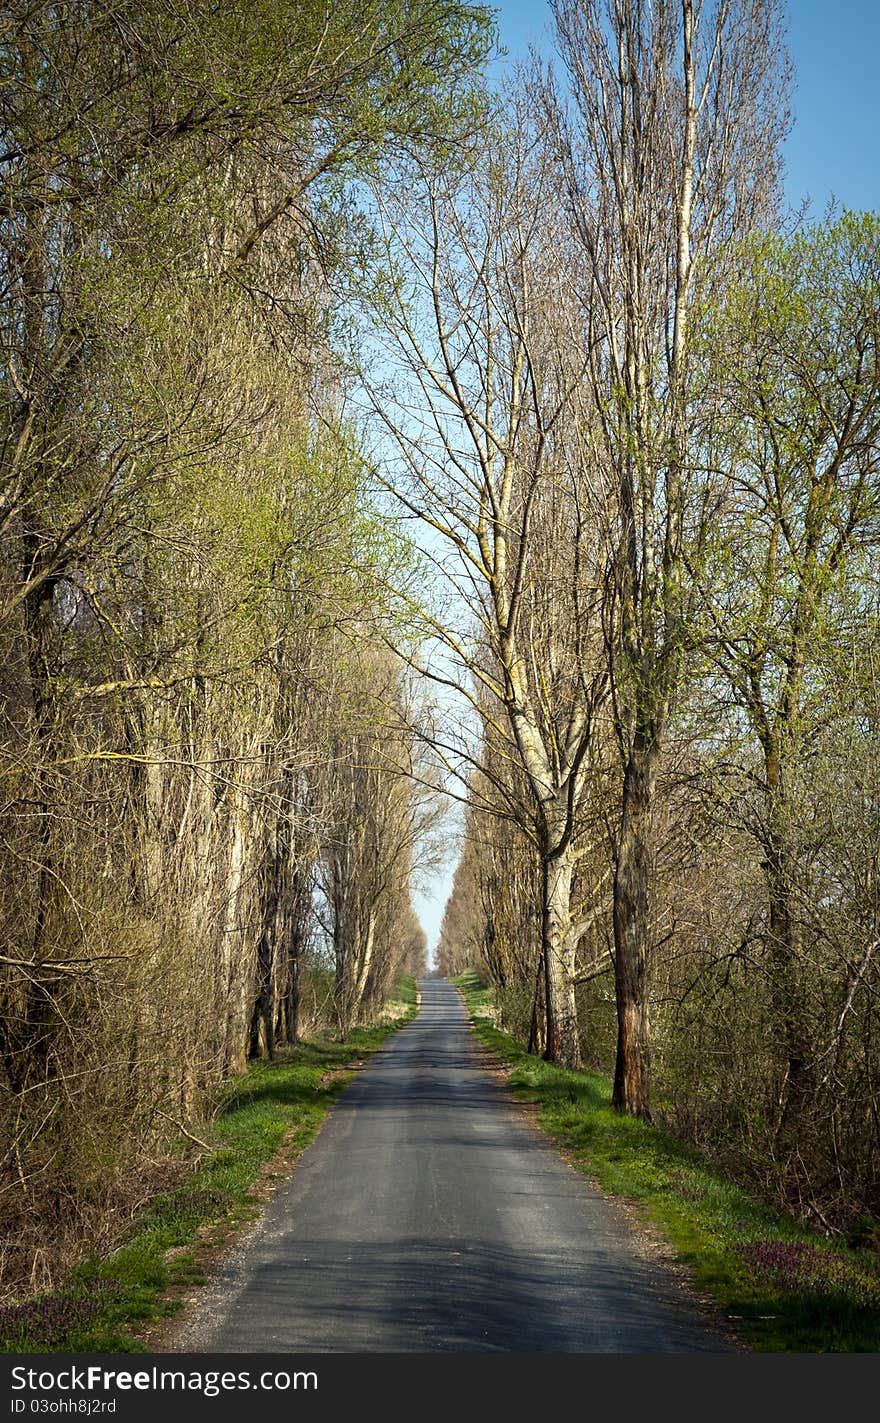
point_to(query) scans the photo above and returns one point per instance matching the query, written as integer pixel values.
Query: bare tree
(483, 411)
(669, 140)
(376, 815)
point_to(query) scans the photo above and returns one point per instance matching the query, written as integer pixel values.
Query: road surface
(429, 1215)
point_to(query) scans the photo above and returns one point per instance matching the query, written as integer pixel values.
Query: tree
(483, 410)
(669, 144)
(376, 816)
(175, 484)
(793, 351)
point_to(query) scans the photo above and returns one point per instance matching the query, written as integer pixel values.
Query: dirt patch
(337, 1074)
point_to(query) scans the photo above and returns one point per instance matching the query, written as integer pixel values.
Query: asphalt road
(429, 1215)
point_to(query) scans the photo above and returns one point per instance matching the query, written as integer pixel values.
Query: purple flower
(801, 1265)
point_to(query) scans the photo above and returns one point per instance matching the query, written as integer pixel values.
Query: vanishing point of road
(430, 1215)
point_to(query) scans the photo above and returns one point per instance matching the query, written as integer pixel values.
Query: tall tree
(793, 354)
(175, 485)
(669, 138)
(484, 411)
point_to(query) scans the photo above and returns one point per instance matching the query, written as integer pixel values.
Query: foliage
(272, 1105)
(192, 561)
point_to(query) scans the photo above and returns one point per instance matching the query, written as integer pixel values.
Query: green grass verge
(783, 1287)
(277, 1103)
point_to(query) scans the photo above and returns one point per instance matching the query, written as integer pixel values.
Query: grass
(108, 1302)
(781, 1286)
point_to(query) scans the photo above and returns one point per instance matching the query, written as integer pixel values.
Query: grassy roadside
(272, 1113)
(782, 1287)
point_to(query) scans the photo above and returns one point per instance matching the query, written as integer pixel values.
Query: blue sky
(834, 147)
(835, 46)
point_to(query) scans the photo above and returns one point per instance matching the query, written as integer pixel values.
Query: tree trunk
(538, 1024)
(39, 639)
(365, 963)
(28, 1044)
(563, 1043)
(288, 1030)
(785, 950)
(631, 933)
(262, 1031)
(237, 971)
(295, 936)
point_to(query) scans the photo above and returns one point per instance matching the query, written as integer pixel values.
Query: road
(430, 1215)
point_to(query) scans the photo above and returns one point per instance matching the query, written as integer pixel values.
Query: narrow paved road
(429, 1215)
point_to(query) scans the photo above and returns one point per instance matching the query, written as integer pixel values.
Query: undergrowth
(107, 1300)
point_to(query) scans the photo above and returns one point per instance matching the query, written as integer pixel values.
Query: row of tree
(207, 826)
(639, 413)
(635, 415)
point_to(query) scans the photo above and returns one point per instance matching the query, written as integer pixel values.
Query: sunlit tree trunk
(562, 1043)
